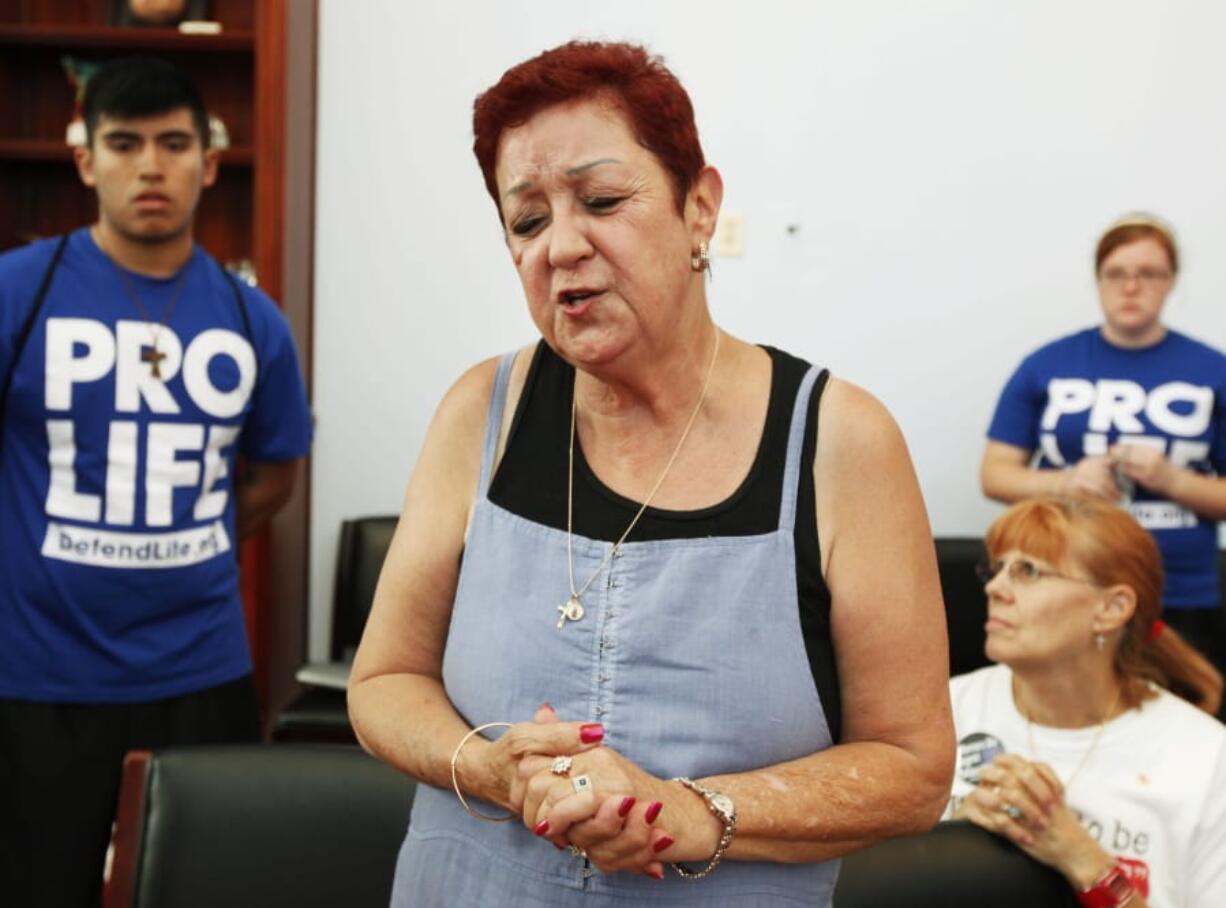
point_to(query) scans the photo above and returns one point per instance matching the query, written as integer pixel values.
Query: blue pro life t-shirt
(118, 579)
(1079, 395)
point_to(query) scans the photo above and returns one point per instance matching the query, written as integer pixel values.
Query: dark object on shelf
(79, 72)
(320, 714)
(157, 13)
(955, 865)
(257, 824)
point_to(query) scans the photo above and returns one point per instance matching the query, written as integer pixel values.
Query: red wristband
(1112, 890)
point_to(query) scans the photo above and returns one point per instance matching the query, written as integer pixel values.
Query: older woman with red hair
(735, 616)
(1081, 745)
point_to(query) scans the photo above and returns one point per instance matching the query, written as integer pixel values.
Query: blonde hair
(1113, 549)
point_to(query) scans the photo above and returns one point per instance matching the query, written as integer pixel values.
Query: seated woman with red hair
(1081, 745)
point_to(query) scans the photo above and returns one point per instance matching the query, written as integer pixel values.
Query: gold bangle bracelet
(455, 783)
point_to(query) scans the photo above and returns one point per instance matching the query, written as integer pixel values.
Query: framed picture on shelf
(157, 13)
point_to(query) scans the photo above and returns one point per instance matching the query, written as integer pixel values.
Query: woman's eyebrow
(575, 171)
(571, 172)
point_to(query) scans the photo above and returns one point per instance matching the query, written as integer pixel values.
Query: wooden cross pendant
(153, 356)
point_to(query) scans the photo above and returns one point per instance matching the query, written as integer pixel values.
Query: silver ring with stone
(581, 783)
(560, 766)
(1012, 811)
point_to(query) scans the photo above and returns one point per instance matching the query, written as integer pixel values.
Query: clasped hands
(626, 820)
(1024, 802)
(1096, 475)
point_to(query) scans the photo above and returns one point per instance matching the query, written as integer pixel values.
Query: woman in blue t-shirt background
(1128, 411)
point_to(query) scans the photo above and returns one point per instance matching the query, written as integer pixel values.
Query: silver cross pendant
(571, 610)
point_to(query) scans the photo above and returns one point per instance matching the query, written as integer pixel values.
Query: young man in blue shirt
(133, 373)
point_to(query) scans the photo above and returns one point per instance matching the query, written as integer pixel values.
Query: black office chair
(966, 604)
(955, 865)
(319, 713)
(257, 825)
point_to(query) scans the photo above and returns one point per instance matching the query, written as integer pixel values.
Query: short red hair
(636, 83)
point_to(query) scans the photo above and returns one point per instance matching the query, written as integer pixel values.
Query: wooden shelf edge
(51, 150)
(128, 38)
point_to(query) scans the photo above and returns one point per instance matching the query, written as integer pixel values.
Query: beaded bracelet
(455, 783)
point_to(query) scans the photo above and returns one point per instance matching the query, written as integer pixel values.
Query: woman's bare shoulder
(855, 424)
(867, 492)
(464, 409)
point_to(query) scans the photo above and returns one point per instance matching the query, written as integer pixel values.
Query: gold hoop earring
(700, 260)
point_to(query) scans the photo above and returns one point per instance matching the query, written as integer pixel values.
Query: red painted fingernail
(653, 811)
(591, 732)
(656, 873)
(541, 828)
(627, 803)
(661, 844)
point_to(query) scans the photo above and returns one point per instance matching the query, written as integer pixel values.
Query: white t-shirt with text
(1151, 790)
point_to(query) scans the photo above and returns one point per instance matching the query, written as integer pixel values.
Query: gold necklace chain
(572, 609)
(1085, 757)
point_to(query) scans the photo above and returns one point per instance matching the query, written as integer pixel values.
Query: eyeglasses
(1021, 571)
(1147, 277)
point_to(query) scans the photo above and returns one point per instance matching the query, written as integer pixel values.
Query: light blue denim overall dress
(690, 653)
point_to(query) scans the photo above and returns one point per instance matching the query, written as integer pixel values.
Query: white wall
(949, 163)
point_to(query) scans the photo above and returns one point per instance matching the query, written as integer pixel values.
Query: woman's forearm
(833, 802)
(1012, 482)
(1206, 495)
(408, 721)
